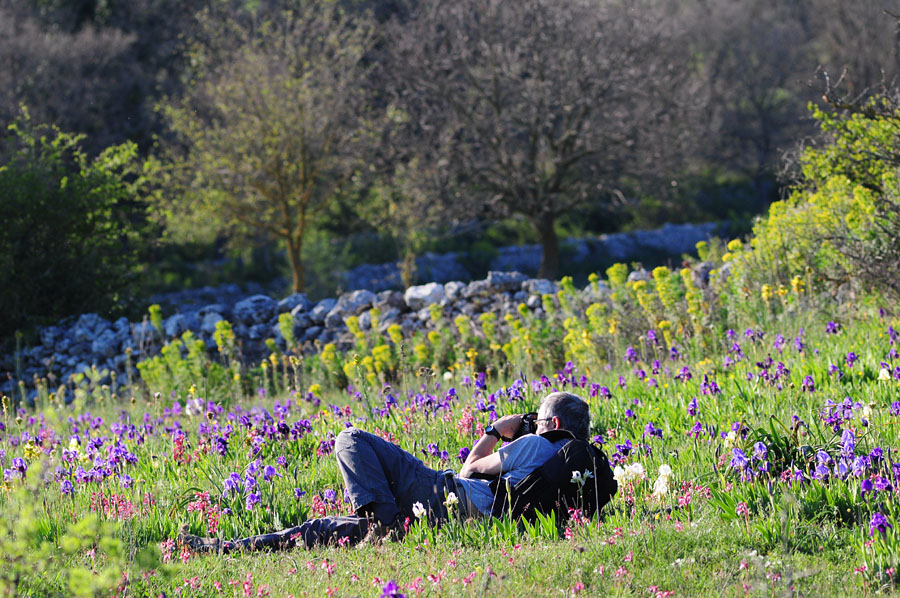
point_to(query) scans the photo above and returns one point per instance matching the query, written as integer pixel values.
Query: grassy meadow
(755, 457)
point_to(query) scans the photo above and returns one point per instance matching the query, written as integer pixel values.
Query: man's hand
(509, 425)
(483, 459)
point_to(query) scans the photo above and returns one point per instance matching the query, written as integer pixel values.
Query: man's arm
(483, 459)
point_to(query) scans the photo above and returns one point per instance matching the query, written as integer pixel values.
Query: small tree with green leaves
(274, 124)
(841, 222)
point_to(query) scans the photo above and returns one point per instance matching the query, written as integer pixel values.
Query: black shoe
(197, 543)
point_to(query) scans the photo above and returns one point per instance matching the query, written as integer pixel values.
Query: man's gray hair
(573, 412)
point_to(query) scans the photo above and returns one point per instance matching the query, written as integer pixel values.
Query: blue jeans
(385, 481)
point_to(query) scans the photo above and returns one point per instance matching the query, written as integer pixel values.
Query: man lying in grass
(388, 486)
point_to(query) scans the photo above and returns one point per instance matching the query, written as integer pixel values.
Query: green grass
(711, 533)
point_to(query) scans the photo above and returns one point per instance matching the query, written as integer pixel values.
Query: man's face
(545, 423)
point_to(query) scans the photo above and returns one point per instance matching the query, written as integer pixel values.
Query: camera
(529, 424)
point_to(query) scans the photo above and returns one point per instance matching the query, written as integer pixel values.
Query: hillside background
(157, 145)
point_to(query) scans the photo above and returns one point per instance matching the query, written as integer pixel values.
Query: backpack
(551, 487)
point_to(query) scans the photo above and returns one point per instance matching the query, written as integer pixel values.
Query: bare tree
(534, 108)
(758, 66)
(74, 80)
(859, 39)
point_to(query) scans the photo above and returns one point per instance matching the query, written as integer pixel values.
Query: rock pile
(74, 345)
(90, 340)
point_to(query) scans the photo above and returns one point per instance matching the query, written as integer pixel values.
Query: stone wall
(76, 344)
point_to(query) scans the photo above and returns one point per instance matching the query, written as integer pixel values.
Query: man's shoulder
(530, 441)
(530, 444)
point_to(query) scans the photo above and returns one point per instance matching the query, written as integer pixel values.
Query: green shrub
(841, 222)
(70, 233)
(184, 367)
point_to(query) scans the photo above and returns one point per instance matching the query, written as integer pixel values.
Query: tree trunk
(549, 247)
(294, 245)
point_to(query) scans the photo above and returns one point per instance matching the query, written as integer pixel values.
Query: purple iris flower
(760, 451)
(808, 385)
(65, 487)
(125, 480)
(851, 359)
(480, 381)
(865, 487)
(233, 483)
(832, 328)
(326, 447)
(709, 387)
(220, 444)
(625, 449)
(843, 467)
(463, 454)
(695, 430)
(81, 475)
(739, 459)
(778, 345)
(252, 500)
(880, 523)
(861, 464)
(692, 407)
(631, 355)
(270, 472)
(848, 443)
(391, 590)
(298, 493)
(651, 430)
